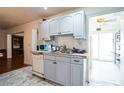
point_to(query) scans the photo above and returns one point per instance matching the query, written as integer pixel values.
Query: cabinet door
(76, 75)
(66, 24)
(46, 30)
(50, 70)
(79, 25)
(40, 31)
(63, 73)
(54, 26)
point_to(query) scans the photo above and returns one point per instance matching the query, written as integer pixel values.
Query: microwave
(45, 47)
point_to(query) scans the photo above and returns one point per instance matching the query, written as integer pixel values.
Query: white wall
(27, 29)
(9, 46)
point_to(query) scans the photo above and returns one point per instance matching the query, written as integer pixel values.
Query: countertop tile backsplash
(69, 41)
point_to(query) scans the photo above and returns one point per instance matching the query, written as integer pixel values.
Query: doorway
(17, 45)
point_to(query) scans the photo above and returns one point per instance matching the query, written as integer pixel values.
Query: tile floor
(24, 77)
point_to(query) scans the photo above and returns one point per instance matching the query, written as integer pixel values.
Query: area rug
(22, 77)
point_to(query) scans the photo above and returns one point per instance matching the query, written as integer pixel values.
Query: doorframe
(10, 49)
(12, 36)
(9, 46)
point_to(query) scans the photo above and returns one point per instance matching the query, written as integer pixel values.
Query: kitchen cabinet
(66, 24)
(63, 72)
(77, 72)
(76, 75)
(40, 32)
(65, 69)
(44, 31)
(54, 26)
(50, 70)
(73, 23)
(79, 25)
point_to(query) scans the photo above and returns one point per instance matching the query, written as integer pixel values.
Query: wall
(3, 40)
(27, 29)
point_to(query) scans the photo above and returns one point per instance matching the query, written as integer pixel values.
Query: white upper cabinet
(54, 26)
(73, 23)
(40, 32)
(79, 25)
(44, 31)
(66, 24)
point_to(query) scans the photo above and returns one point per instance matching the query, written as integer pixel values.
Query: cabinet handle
(59, 32)
(54, 63)
(76, 61)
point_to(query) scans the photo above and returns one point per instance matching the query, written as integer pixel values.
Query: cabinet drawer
(63, 59)
(76, 61)
(49, 57)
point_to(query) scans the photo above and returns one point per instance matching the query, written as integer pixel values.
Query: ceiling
(10, 17)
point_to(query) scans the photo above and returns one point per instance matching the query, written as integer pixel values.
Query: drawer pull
(76, 61)
(54, 63)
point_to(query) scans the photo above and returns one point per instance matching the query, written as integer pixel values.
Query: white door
(106, 47)
(103, 46)
(95, 46)
(104, 71)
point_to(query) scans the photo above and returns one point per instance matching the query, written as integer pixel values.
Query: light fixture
(45, 8)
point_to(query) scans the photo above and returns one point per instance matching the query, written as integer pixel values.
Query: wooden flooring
(7, 65)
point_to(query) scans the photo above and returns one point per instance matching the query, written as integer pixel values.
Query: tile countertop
(82, 55)
(59, 54)
(39, 52)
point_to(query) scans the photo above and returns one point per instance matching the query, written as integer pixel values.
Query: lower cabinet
(50, 70)
(76, 75)
(63, 73)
